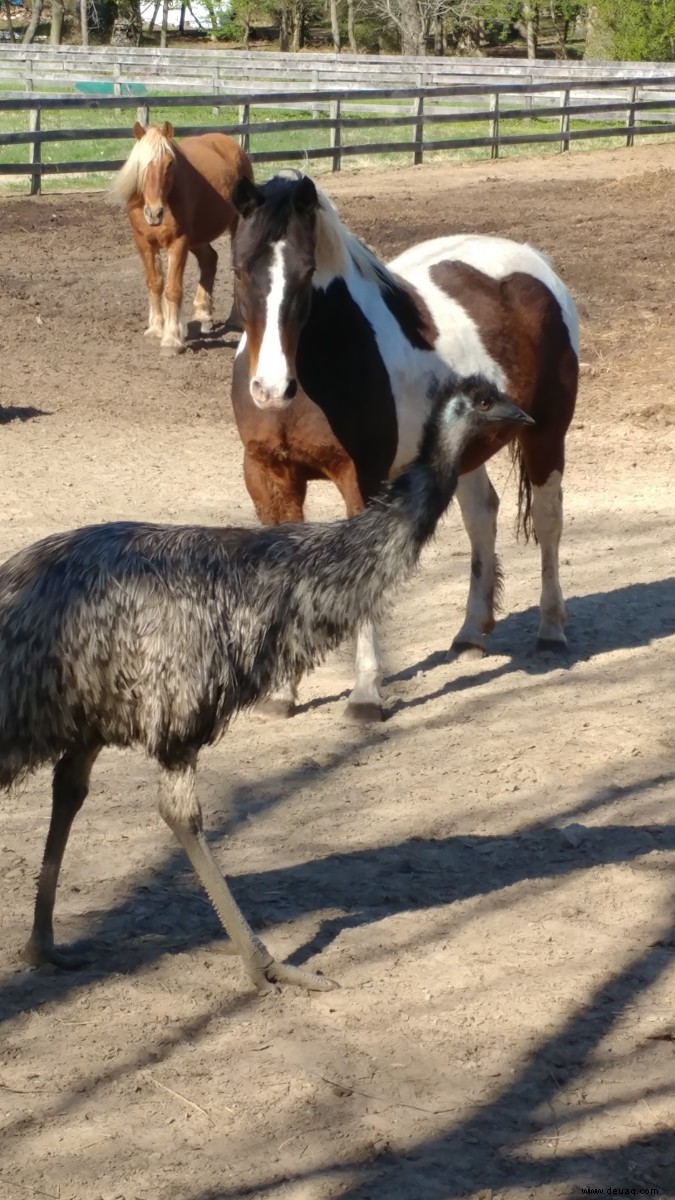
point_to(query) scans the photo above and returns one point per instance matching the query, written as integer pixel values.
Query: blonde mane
(337, 248)
(130, 178)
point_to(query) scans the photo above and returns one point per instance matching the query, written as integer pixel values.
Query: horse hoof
(205, 324)
(366, 712)
(171, 349)
(551, 646)
(151, 331)
(468, 650)
(275, 709)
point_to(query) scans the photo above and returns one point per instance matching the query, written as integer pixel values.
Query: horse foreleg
(203, 306)
(278, 497)
(479, 505)
(173, 339)
(154, 278)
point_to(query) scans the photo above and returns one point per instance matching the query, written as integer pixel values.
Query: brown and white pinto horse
(179, 199)
(339, 359)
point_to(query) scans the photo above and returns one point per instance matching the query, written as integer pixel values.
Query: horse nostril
(160, 213)
(291, 390)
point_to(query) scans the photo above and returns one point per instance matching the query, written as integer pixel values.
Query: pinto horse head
(157, 175)
(273, 257)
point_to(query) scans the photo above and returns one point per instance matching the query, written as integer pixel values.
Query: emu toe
(276, 973)
(41, 954)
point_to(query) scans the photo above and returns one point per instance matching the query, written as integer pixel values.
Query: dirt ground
(504, 1027)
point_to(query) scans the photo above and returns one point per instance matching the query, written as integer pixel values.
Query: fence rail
(624, 101)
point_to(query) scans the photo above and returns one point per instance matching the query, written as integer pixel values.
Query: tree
(636, 30)
(32, 26)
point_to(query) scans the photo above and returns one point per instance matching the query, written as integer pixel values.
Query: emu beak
(504, 410)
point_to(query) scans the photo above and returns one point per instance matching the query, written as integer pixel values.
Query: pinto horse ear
(139, 131)
(167, 129)
(305, 198)
(246, 197)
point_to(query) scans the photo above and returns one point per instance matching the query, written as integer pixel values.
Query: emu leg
(479, 504)
(547, 518)
(173, 339)
(69, 790)
(365, 702)
(203, 306)
(181, 811)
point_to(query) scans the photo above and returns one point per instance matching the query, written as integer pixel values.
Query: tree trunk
(334, 24)
(164, 34)
(151, 25)
(599, 42)
(439, 36)
(412, 41)
(531, 19)
(56, 27)
(351, 34)
(84, 22)
(283, 28)
(181, 19)
(12, 35)
(31, 28)
(247, 28)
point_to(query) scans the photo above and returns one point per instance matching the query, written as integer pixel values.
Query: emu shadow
(166, 911)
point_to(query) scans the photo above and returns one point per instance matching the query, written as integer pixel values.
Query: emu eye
(485, 405)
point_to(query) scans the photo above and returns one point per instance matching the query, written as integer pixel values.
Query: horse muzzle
(273, 399)
(153, 216)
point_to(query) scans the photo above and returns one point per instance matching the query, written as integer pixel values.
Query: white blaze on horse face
(272, 377)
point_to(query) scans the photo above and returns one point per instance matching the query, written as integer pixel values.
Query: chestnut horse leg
(278, 496)
(174, 338)
(203, 306)
(154, 278)
(479, 504)
(365, 699)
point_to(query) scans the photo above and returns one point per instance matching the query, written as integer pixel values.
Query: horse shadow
(17, 412)
(215, 339)
(629, 617)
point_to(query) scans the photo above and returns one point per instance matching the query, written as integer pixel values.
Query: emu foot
(267, 979)
(39, 953)
(468, 650)
(275, 708)
(365, 711)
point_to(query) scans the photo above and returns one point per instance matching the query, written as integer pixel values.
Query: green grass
(105, 149)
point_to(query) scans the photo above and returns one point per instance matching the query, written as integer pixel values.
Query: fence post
(29, 74)
(117, 82)
(494, 125)
(244, 119)
(316, 112)
(143, 114)
(336, 133)
(35, 153)
(216, 89)
(565, 122)
(418, 153)
(630, 117)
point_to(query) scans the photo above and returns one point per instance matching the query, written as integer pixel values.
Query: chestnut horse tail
(524, 523)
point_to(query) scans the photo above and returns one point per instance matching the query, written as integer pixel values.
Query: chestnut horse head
(149, 170)
(274, 262)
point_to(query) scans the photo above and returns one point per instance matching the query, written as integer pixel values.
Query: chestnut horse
(339, 360)
(179, 199)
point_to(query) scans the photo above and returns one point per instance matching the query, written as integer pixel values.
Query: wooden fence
(30, 69)
(629, 108)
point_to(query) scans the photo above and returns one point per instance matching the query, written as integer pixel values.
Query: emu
(154, 635)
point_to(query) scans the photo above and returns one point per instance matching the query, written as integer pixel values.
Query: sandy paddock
(504, 1027)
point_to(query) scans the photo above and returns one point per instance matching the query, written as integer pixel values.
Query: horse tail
(524, 523)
